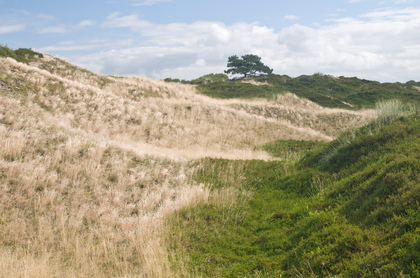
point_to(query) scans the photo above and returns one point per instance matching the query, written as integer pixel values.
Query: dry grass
(172, 118)
(91, 166)
(77, 208)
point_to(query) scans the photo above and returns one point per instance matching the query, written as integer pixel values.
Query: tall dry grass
(91, 166)
(75, 207)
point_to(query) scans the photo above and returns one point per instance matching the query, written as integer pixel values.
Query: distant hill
(325, 90)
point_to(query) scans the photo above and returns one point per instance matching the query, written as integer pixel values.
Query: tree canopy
(247, 65)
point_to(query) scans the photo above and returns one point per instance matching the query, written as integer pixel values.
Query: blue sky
(377, 40)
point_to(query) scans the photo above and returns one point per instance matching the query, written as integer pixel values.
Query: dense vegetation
(348, 209)
(341, 92)
(205, 79)
(23, 55)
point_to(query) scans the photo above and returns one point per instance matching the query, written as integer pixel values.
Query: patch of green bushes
(205, 79)
(210, 78)
(327, 91)
(233, 89)
(23, 55)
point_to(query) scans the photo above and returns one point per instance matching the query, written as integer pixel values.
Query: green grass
(354, 213)
(290, 150)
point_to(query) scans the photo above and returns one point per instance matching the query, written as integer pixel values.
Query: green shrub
(7, 52)
(210, 78)
(23, 55)
(28, 53)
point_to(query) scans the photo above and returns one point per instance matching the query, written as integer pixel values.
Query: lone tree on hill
(247, 65)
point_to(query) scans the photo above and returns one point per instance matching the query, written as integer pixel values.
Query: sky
(370, 39)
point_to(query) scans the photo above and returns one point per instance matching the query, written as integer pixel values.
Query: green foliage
(231, 89)
(7, 52)
(247, 65)
(176, 80)
(411, 85)
(356, 214)
(205, 79)
(23, 55)
(28, 53)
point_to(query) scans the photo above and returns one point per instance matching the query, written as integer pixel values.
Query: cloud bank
(382, 45)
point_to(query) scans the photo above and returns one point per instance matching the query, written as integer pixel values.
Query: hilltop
(325, 90)
(111, 176)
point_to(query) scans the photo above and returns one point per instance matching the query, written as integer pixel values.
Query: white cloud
(184, 49)
(83, 24)
(54, 29)
(383, 45)
(290, 17)
(7, 29)
(66, 28)
(86, 45)
(391, 15)
(71, 46)
(200, 62)
(46, 16)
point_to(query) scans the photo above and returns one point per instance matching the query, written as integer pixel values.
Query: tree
(247, 65)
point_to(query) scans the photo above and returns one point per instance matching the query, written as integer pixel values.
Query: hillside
(97, 171)
(349, 209)
(165, 118)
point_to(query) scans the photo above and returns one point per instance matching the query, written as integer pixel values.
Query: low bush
(23, 55)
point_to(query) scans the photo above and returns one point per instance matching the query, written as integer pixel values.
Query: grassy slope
(91, 166)
(327, 91)
(353, 212)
